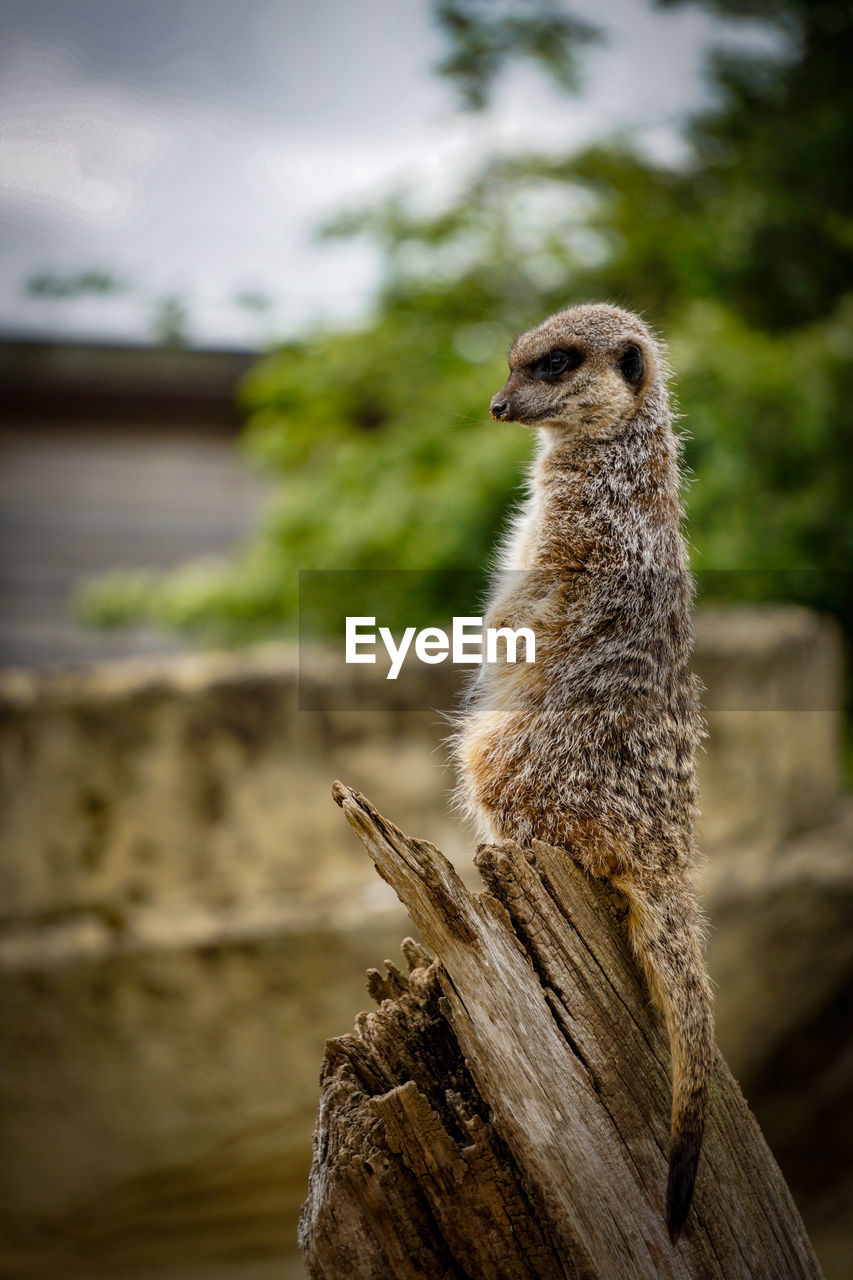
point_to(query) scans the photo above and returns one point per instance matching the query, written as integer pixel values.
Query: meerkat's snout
(510, 403)
(499, 408)
(541, 386)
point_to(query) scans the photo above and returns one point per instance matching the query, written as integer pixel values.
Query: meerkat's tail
(666, 933)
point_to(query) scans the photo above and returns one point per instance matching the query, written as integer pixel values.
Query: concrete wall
(200, 784)
(186, 917)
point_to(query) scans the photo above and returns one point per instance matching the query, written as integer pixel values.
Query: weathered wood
(505, 1110)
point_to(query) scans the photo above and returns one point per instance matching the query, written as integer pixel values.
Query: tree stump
(504, 1113)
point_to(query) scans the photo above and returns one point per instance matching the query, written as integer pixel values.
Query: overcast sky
(190, 146)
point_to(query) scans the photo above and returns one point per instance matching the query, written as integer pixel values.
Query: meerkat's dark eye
(560, 360)
(631, 364)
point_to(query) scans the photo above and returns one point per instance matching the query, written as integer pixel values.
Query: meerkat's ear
(632, 364)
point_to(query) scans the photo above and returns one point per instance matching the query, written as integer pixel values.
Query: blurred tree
(170, 315)
(483, 36)
(255, 301)
(170, 322)
(744, 255)
(49, 284)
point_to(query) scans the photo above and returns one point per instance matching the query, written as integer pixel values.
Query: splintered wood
(504, 1113)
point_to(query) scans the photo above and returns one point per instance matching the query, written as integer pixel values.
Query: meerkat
(593, 746)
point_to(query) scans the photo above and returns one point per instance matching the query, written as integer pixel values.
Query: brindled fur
(593, 746)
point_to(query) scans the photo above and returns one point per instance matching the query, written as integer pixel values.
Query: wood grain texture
(505, 1110)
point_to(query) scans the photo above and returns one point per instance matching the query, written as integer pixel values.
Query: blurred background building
(259, 267)
(111, 455)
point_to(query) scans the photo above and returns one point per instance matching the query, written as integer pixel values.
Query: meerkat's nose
(499, 408)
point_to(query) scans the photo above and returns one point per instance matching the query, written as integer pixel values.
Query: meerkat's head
(584, 371)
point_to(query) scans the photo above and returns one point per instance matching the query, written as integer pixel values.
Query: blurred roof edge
(51, 382)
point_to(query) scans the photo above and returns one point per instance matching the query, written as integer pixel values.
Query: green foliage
(743, 257)
(770, 429)
(484, 35)
(390, 462)
(170, 322)
(51, 285)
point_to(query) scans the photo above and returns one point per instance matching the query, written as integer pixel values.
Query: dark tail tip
(683, 1159)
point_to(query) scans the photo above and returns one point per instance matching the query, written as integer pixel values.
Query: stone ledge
(160, 1087)
(198, 782)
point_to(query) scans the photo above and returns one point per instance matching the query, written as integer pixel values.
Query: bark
(504, 1113)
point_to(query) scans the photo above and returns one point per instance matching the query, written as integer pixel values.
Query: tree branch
(505, 1111)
